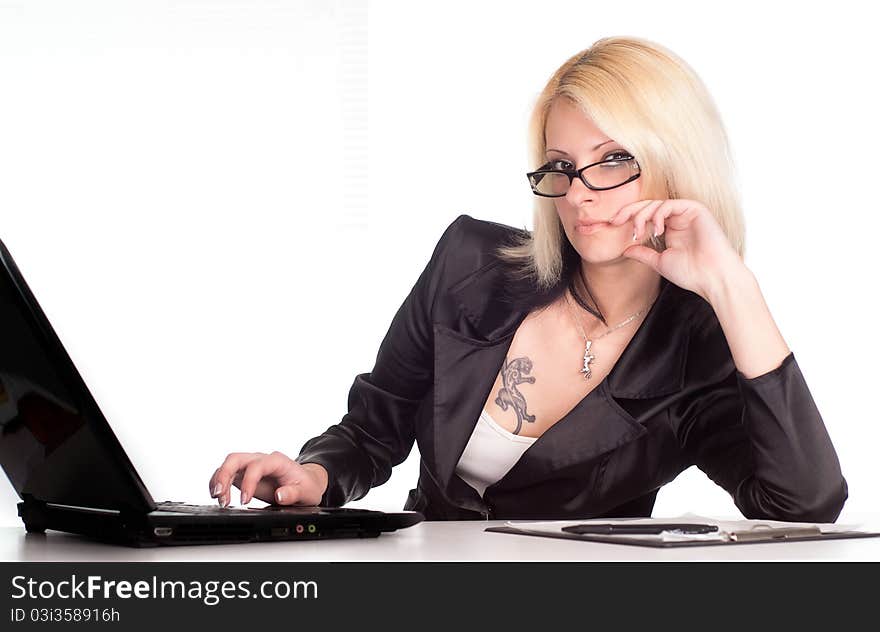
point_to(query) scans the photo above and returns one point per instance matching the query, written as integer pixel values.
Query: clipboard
(729, 532)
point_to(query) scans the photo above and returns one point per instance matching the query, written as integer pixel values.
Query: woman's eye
(564, 165)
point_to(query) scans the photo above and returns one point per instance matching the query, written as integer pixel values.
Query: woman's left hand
(698, 255)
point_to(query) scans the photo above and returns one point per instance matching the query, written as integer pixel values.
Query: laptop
(71, 472)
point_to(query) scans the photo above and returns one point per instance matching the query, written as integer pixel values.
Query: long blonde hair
(654, 104)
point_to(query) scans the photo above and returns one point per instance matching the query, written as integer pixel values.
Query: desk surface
(426, 541)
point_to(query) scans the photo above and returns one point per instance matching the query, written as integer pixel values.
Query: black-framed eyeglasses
(603, 175)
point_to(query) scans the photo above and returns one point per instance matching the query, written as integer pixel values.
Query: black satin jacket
(673, 399)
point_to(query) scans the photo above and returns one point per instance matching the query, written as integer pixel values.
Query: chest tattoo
(515, 372)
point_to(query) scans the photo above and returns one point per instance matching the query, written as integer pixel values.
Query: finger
(288, 494)
(215, 483)
(227, 471)
(642, 216)
(226, 497)
(646, 255)
(660, 218)
(625, 212)
(677, 214)
(268, 465)
(214, 486)
(265, 490)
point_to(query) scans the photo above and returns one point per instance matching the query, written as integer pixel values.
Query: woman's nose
(578, 192)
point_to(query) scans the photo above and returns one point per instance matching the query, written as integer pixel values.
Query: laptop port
(162, 531)
(278, 532)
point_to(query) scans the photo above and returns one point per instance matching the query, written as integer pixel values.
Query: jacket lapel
(468, 353)
(467, 358)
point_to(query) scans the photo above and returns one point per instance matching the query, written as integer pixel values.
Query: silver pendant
(588, 357)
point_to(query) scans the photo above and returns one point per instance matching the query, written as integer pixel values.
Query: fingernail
(217, 489)
(655, 233)
(279, 496)
(245, 498)
(634, 235)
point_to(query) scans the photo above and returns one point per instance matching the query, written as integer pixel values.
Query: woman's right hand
(273, 478)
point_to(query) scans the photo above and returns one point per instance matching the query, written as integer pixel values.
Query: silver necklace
(588, 357)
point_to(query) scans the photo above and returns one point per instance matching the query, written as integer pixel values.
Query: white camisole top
(490, 453)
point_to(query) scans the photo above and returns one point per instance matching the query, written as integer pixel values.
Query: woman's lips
(591, 228)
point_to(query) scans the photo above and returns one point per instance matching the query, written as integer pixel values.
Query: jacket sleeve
(378, 431)
(763, 440)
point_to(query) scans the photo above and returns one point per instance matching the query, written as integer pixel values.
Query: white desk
(426, 541)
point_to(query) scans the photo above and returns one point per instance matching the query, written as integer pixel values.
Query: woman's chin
(599, 260)
(601, 250)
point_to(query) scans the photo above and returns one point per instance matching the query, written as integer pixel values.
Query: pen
(611, 529)
(774, 533)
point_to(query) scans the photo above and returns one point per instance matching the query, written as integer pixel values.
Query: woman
(572, 371)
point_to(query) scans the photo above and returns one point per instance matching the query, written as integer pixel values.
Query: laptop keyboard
(180, 507)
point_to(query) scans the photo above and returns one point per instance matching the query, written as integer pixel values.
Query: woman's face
(573, 139)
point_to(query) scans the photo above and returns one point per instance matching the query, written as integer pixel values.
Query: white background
(221, 205)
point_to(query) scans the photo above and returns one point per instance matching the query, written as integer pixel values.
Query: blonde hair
(651, 102)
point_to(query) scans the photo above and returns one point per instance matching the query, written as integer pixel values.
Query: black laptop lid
(55, 443)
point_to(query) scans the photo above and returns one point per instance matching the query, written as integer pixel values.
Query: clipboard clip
(766, 532)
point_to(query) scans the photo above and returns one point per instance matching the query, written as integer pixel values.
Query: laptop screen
(54, 442)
